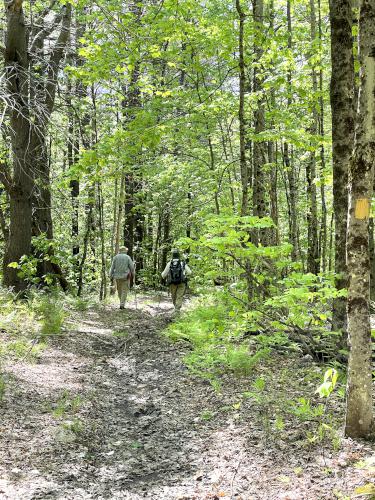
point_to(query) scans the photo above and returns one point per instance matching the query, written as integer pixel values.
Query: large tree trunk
(372, 260)
(28, 135)
(42, 215)
(342, 97)
(20, 186)
(359, 404)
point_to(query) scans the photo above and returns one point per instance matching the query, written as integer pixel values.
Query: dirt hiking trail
(109, 411)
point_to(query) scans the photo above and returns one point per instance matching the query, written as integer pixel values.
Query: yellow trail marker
(362, 208)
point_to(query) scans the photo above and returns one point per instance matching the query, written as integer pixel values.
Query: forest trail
(109, 411)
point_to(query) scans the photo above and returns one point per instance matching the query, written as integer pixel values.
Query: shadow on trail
(140, 431)
(144, 427)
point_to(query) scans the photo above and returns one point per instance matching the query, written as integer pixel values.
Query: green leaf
(14, 265)
(367, 489)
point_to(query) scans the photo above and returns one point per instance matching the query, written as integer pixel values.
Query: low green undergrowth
(51, 314)
(226, 338)
(26, 324)
(217, 340)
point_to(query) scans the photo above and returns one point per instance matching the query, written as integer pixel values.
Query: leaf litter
(109, 411)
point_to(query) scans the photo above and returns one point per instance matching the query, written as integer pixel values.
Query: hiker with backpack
(176, 273)
(121, 270)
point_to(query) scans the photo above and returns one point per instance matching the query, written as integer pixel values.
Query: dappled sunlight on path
(110, 411)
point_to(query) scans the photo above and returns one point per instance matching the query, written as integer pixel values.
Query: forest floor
(109, 411)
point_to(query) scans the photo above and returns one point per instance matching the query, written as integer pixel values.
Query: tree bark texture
(20, 185)
(359, 404)
(260, 207)
(312, 215)
(241, 113)
(288, 163)
(31, 107)
(323, 219)
(342, 104)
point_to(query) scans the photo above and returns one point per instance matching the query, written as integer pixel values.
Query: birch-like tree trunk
(359, 403)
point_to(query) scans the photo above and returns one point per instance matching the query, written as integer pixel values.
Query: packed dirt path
(109, 411)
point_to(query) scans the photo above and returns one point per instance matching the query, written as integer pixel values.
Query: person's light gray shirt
(122, 264)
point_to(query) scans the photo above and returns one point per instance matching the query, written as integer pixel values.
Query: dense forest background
(225, 129)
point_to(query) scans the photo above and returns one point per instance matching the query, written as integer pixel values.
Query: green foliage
(76, 426)
(216, 341)
(79, 303)
(121, 334)
(51, 313)
(241, 362)
(303, 409)
(225, 251)
(22, 348)
(67, 404)
(323, 434)
(306, 297)
(20, 329)
(279, 423)
(258, 387)
(207, 415)
(44, 250)
(65, 410)
(329, 384)
(367, 489)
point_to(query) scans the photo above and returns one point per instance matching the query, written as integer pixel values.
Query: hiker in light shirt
(176, 273)
(121, 270)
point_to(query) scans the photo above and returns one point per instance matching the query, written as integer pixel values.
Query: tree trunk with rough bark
(342, 104)
(31, 107)
(359, 402)
(312, 215)
(241, 113)
(323, 218)
(288, 163)
(260, 205)
(20, 185)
